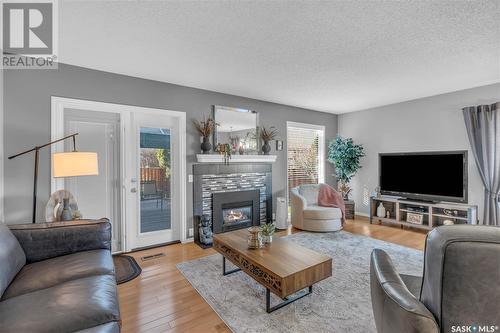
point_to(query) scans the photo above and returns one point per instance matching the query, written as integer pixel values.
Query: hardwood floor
(162, 300)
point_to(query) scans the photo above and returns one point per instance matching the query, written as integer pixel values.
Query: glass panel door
(155, 157)
(153, 204)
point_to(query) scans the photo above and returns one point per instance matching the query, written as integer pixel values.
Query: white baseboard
(361, 214)
(188, 240)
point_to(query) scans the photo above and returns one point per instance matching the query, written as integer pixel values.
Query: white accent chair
(307, 215)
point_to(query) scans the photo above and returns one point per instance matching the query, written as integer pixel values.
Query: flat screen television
(429, 176)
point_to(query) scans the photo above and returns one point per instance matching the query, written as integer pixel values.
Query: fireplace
(235, 210)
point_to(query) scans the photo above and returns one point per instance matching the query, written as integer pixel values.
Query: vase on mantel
(206, 146)
(266, 148)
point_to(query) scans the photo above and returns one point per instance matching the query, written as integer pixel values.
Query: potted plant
(346, 156)
(268, 134)
(268, 230)
(205, 128)
(225, 150)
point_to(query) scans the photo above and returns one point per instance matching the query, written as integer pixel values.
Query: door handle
(133, 190)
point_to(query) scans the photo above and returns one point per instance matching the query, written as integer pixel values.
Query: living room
(279, 166)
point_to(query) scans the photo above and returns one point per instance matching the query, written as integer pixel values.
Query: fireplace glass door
(237, 215)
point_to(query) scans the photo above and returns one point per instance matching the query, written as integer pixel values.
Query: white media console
(423, 214)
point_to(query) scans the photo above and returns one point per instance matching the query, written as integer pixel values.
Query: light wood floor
(162, 300)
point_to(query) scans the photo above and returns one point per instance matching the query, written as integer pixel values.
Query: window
(305, 154)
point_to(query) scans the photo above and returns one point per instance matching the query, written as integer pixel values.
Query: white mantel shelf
(217, 158)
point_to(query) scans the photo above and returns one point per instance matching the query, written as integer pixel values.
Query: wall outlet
(190, 178)
(190, 232)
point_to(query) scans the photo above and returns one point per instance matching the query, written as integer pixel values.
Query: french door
(154, 178)
(141, 184)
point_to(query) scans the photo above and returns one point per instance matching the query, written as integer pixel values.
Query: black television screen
(427, 176)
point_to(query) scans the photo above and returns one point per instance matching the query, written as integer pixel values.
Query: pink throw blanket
(329, 197)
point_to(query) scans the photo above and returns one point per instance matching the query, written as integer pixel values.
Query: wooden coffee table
(282, 267)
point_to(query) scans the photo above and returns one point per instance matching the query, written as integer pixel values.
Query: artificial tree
(345, 155)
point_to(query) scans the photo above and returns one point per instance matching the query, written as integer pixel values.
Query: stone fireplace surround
(209, 178)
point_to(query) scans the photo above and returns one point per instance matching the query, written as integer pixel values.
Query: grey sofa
(58, 277)
(460, 284)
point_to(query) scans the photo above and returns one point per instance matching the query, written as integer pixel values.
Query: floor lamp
(66, 164)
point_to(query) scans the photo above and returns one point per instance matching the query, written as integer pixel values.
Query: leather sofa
(459, 290)
(58, 277)
(307, 215)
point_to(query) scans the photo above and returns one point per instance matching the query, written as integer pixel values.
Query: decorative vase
(380, 210)
(255, 238)
(268, 239)
(206, 146)
(266, 148)
(66, 214)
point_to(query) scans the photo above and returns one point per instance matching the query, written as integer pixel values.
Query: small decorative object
(380, 210)
(279, 145)
(376, 192)
(388, 214)
(205, 128)
(268, 134)
(255, 238)
(66, 214)
(54, 207)
(205, 230)
(448, 222)
(225, 150)
(268, 230)
(241, 150)
(415, 218)
(346, 156)
(77, 214)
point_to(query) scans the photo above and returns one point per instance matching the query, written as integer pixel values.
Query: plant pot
(266, 148)
(267, 239)
(206, 146)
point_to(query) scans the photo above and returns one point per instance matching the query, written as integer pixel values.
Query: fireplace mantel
(218, 158)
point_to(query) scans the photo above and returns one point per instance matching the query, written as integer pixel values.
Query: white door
(97, 196)
(154, 201)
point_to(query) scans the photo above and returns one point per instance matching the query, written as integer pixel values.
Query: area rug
(126, 268)
(340, 303)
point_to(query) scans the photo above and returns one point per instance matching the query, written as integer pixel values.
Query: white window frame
(321, 150)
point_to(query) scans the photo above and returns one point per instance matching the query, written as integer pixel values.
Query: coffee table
(284, 268)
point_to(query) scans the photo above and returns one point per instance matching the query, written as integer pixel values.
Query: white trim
(218, 158)
(188, 240)
(321, 148)
(361, 214)
(2, 150)
(58, 104)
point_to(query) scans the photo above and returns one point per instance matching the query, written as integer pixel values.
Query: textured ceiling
(333, 56)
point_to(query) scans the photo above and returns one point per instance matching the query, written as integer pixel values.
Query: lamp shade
(73, 164)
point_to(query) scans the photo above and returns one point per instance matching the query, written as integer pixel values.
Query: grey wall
(27, 122)
(427, 124)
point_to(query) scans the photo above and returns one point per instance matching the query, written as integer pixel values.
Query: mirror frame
(233, 109)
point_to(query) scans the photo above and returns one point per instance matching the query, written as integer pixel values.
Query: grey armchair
(460, 284)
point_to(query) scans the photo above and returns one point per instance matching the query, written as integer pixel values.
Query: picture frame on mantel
(237, 127)
(279, 145)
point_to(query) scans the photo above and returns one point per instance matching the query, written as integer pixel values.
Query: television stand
(421, 214)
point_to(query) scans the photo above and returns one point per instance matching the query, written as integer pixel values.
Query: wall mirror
(238, 128)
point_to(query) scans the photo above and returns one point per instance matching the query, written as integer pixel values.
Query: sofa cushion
(310, 192)
(112, 327)
(67, 307)
(51, 272)
(12, 257)
(316, 212)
